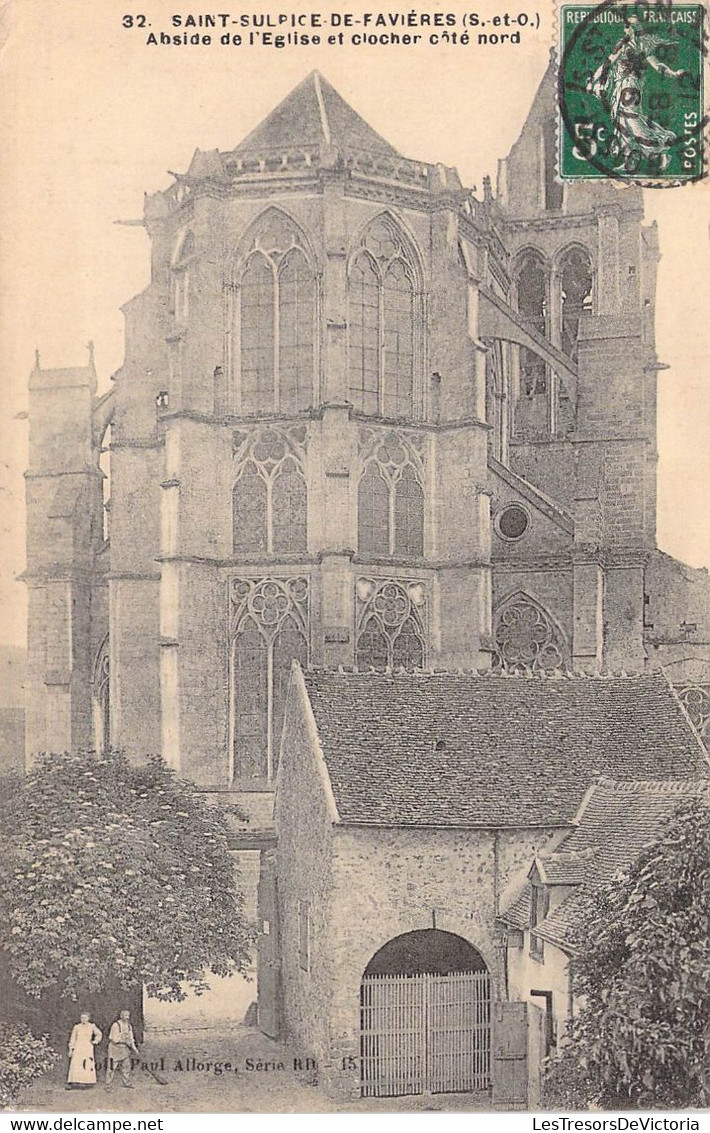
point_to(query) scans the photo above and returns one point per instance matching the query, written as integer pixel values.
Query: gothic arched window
(277, 321)
(390, 618)
(381, 324)
(105, 466)
(525, 637)
(269, 619)
(532, 305)
(575, 279)
(390, 500)
(269, 498)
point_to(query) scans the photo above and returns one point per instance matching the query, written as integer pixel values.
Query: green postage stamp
(631, 91)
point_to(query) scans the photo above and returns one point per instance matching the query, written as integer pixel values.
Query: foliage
(22, 1059)
(642, 973)
(115, 875)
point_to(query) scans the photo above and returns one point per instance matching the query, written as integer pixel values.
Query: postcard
(355, 543)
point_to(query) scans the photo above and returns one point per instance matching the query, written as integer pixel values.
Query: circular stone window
(512, 522)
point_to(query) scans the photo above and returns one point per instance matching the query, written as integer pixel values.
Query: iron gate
(425, 1033)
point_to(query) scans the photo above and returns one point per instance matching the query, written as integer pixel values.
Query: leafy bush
(116, 874)
(22, 1059)
(642, 973)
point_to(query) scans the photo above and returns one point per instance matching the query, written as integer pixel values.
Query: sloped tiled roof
(313, 114)
(617, 822)
(516, 751)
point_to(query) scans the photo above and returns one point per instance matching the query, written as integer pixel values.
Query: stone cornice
(231, 421)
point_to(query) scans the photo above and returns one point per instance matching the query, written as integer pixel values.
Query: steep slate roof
(313, 114)
(615, 824)
(518, 751)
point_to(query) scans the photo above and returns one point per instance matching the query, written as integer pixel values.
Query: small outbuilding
(615, 822)
(408, 806)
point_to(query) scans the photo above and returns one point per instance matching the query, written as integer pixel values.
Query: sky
(99, 117)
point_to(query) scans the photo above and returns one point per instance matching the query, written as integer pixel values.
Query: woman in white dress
(82, 1067)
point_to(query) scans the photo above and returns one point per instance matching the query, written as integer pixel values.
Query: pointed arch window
(269, 619)
(391, 501)
(381, 325)
(276, 303)
(269, 498)
(408, 513)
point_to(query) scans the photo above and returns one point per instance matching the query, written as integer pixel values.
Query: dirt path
(262, 1078)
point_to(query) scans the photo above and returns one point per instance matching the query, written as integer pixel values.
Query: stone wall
(390, 881)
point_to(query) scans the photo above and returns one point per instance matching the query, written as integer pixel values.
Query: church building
(366, 419)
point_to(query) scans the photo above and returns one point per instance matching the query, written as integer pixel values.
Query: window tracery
(276, 304)
(269, 620)
(525, 638)
(390, 497)
(390, 618)
(381, 321)
(269, 498)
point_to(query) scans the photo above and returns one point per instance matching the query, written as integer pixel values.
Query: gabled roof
(616, 822)
(444, 749)
(313, 114)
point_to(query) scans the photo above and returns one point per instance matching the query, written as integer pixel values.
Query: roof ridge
(525, 674)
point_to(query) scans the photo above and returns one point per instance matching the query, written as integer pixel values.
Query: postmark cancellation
(630, 90)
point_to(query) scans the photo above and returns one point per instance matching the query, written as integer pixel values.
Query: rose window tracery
(525, 638)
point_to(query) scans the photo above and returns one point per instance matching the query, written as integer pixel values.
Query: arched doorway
(425, 1003)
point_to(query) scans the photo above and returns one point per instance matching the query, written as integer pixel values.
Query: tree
(115, 875)
(23, 1057)
(642, 973)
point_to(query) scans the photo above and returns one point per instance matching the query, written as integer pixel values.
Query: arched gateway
(426, 1017)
